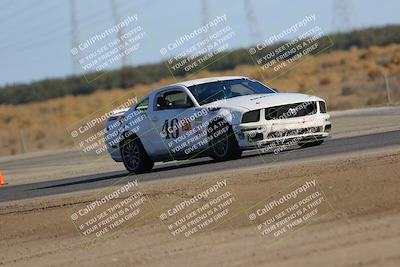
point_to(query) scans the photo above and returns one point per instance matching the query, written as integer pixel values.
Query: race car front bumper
(295, 130)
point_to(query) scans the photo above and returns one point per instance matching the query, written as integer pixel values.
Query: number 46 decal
(170, 129)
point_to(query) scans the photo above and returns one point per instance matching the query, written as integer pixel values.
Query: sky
(37, 35)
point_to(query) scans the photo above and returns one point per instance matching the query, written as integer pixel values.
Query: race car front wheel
(135, 157)
(222, 142)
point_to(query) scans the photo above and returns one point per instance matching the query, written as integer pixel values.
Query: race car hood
(258, 101)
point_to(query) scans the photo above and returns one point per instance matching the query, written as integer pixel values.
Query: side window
(173, 100)
(143, 105)
(322, 107)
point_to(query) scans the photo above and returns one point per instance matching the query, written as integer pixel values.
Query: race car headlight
(251, 116)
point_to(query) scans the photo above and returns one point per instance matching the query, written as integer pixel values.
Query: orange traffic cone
(2, 182)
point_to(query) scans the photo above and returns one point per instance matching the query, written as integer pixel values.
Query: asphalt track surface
(331, 147)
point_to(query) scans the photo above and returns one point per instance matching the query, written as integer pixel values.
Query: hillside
(21, 93)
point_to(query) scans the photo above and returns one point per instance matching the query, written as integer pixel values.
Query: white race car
(217, 117)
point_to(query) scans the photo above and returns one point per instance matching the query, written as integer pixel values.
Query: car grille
(291, 111)
(295, 132)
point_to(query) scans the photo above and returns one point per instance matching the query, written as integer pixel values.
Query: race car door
(170, 117)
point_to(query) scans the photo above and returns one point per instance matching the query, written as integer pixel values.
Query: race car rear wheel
(135, 157)
(222, 142)
(311, 143)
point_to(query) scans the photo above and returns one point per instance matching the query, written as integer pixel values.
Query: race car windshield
(210, 92)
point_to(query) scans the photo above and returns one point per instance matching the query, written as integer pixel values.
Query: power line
(74, 35)
(124, 60)
(55, 28)
(205, 14)
(35, 26)
(252, 20)
(26, 9)
(341, 15)
(48, 35)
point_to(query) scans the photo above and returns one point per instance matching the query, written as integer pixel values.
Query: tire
(134, 156)
(224, 146)
(311, 144)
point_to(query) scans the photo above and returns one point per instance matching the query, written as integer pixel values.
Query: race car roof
(209, 80)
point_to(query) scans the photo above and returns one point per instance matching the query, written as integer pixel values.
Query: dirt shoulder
(361, 230)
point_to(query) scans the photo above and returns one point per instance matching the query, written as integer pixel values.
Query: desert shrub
(302, 87)
(40, 135)
(325, 81)
(373, 101)
(374, 50)
(395, 59)
(347, 90)
(374, 74)
(364, 56)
